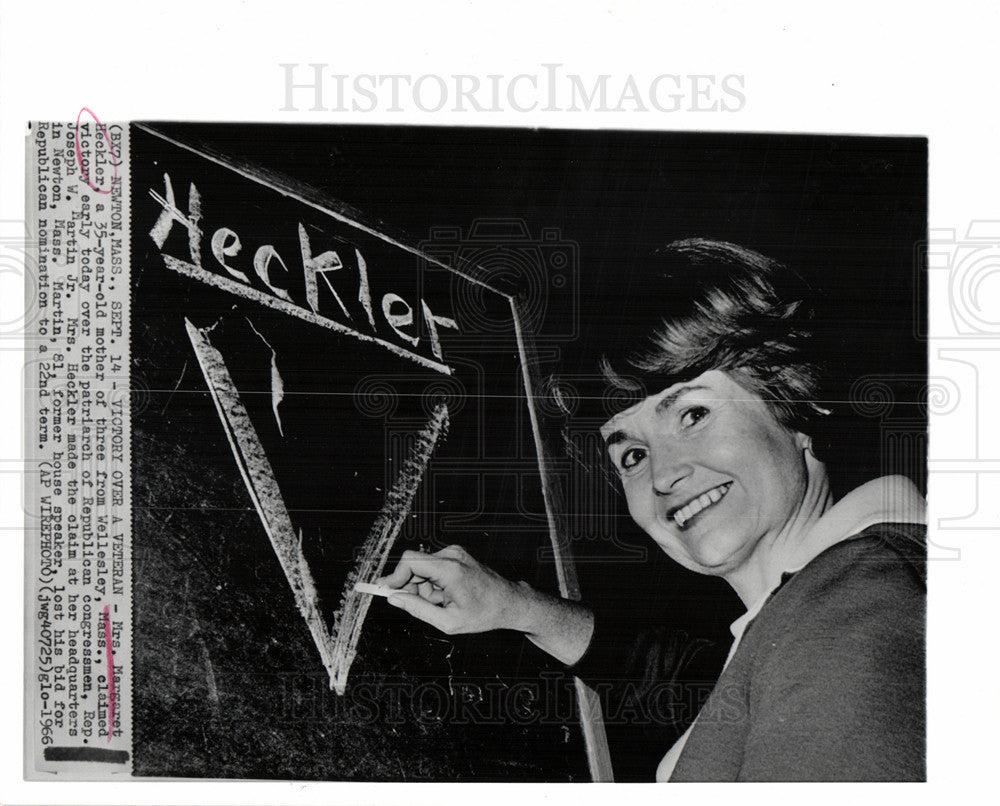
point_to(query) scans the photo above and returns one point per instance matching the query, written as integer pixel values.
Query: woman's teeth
(692, 508)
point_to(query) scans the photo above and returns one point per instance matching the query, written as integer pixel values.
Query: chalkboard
(492, 230)
(311, 398)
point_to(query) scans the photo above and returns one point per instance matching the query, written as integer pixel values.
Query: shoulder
(849, 624)
(835, 663)
(881, 561)
(875, 580)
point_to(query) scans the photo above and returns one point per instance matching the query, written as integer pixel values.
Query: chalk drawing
(277, 384)
(310, 197)
(171, 213)
(233, 287)
(349, 618)
(263, 488)
(591, 718)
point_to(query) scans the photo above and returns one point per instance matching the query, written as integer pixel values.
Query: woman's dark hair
(716, 305)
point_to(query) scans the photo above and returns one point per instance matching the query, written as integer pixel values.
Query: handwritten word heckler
(225, 244)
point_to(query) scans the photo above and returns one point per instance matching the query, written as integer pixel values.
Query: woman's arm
(453, 592)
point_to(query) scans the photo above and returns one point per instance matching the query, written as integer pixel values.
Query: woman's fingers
(413, 586)
(438, 568)
(401, 574)
(427, 590)
(433, 614)
(453, 592)
(437, 597)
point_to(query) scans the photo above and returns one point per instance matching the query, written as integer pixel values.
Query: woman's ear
(815, 467)
(813, 462)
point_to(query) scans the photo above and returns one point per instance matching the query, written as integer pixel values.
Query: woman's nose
(669, 469)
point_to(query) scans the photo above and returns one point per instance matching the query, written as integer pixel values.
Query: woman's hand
(456, 594)
(453, 592)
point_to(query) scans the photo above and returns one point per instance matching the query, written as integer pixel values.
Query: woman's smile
(683, 514)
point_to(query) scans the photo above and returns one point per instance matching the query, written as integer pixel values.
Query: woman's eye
(693, 415)
(631, 458)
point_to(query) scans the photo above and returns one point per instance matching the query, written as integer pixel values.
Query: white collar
(889, 499)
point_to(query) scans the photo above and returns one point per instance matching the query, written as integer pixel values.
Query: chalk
(374, 590)
(278, 304)
(349, 618)
(258, 475)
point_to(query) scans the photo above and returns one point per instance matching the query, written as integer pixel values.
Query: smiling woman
(718, 454)
(715, 479)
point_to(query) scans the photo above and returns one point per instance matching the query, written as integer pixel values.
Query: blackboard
(314, 397)
(229, 681)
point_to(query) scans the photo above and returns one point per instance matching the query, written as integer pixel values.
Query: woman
(719, 462)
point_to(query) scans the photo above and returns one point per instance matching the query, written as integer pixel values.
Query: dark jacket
(828, 682)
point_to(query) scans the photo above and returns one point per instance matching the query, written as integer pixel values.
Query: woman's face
(708, 471)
